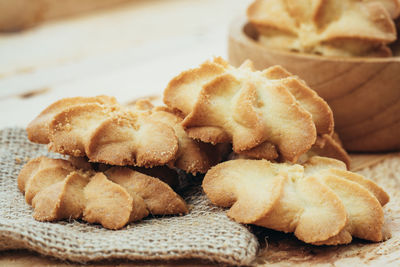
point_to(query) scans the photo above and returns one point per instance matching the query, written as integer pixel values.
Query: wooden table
(128, 52)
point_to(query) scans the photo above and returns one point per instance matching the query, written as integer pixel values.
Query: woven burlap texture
(205, 233)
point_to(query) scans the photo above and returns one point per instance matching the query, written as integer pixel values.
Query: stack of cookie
(270, 121)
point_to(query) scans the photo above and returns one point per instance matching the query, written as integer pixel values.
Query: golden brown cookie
(59, 190)
(247, 107)
(61, 200)
(38, 128)
(158, 197)
(320, 202)
(321, 113)
(41, 172)
(332, 28)
(309, 100)
(102, 130)
(110, 204)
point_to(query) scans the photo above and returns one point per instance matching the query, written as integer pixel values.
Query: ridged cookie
(249, 108)
(320, 202)
(37, 129)
(332, 28)
(102, 130)
(58, 190)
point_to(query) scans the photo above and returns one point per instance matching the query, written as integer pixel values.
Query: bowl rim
(236, 31)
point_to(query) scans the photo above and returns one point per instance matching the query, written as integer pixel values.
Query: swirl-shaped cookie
(104, 131)
(320, 202)
(260, 113)
(58, 190)
(332, 28)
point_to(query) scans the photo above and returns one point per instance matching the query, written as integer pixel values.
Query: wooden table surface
(128, 52)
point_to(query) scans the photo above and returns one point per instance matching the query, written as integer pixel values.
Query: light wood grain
(364, 93)
(20, 14)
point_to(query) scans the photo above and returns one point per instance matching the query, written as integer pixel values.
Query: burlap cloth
(205, 233)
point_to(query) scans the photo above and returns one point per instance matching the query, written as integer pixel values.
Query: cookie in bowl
(329, 28)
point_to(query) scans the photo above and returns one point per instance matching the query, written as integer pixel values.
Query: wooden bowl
(364, 93)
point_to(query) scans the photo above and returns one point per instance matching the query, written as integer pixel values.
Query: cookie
(104, 131)
(110, 204)
(58, 190)
(37, 129)
(330, 28)
(320, 202)
(248, 108)
(158, 197)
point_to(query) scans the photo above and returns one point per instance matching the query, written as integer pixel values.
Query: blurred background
(51, 49)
